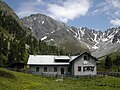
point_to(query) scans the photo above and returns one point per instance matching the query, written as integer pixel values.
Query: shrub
(7, 75)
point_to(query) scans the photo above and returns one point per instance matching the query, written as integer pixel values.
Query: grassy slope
(113, 57)
(72, 47)
(22, 81)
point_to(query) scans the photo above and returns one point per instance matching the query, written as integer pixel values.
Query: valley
(39, 34)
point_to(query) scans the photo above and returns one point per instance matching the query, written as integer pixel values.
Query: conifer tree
(108, 62)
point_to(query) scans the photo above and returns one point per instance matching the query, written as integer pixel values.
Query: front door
(62, 70)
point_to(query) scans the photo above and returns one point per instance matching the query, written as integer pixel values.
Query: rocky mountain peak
(45, 28)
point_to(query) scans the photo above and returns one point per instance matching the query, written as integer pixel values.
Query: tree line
(109, 62)
(16, 44)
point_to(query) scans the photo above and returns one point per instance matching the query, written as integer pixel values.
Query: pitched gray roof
(46, 60)
(50, 59)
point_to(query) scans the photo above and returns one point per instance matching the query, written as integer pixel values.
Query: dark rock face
(116, 37)
(99, 43)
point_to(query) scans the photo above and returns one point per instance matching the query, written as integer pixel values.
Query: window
(85, 57)
(37, 69)
(88, 68)
(45, 69)
(79, 68)
(55, 69)
(62, 60)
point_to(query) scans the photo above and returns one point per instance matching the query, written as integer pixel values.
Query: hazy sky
(96, 14)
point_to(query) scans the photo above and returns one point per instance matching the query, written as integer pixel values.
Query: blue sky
(94, 14)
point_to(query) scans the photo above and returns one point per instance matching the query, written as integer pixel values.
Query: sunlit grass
(24, 81)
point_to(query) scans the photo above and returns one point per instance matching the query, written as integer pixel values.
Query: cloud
(29, 7)
(114, 10)
(113, 3)
(110, 8)
(65, 10)
(101, 8)
(115, 22)
(68, 9)
(61, 10)
(107, 7)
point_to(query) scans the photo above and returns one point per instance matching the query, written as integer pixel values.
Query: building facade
(83, 64)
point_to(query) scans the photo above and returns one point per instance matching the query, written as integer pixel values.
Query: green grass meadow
(10, 80)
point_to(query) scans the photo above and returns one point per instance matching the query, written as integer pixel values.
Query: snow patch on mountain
(53, 31)
(95, 47)
(105, 39)
(43, 22)
(45, 37)
(118, 41)
(82, 31)
(52, 39)
(79, 35)
(95, 39)
(73, 31)
(35, 18)
(68, 30)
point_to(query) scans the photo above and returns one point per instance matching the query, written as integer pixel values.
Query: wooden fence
(117, 74)
(99, 73)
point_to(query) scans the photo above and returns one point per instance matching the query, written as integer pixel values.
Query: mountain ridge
(47, 29)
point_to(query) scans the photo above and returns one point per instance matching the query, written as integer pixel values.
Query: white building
(83, 64)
